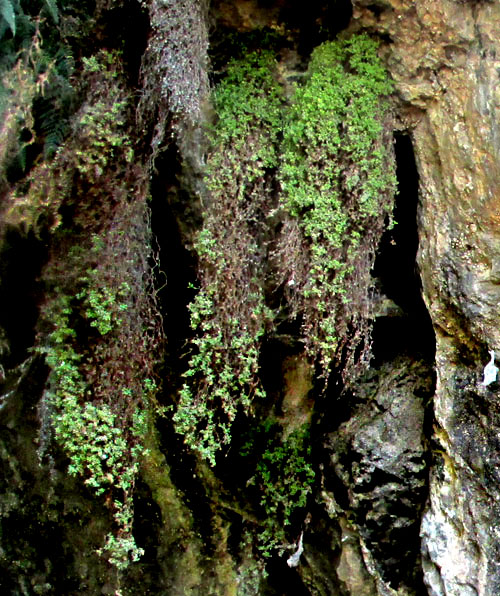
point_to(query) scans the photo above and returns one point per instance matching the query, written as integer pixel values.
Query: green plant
(229, 315)
(10, 11)
(328, 152)
(337, 183)
(91, 434)
(99, 328)
(103, 304)
(283, 476)
(7, 12)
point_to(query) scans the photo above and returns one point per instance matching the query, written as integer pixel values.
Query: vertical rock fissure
(175, 269)
(380, 452)
(403, 325)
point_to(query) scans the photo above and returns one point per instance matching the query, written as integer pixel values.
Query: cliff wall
(249, 271)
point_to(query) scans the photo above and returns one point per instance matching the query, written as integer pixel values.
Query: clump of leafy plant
(284, 476)
(228, 315)
(11, 12)
(337, 185)
(99, 330)
(101, 428)
(90, 434)
(327, 149)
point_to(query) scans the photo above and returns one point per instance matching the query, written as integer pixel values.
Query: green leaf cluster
(248, 102)
(228, 315)
(90, 433)
(283, 476)
(103, 304)
(101, 125)
(325, 149)
(334, 174)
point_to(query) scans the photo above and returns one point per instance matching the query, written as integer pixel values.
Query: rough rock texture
(379, 455)
(443, 57)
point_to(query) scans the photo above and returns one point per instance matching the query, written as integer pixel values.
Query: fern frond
(8, 14)
(53, 127)
(65, 63)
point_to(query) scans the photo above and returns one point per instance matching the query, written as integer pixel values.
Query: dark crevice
(21, 259)
(174, 221)
(176, 268)
(306, 26)
(126, 29)
(316, 22)
(387, 502)
(283, 581)
(404, 326)
(375, 9)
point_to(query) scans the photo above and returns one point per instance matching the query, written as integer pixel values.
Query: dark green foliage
(37, 100)
(239, 45)
(53, 108)
(52, 9)
(283, 477)
(12, 14)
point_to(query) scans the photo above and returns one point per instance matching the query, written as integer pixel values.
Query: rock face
(380, 456)
(443, 57)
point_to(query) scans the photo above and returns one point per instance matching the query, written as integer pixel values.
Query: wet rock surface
(380, 456)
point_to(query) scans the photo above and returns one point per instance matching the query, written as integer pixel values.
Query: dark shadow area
(174, 220)
(283, 580)
(175, 271)
(126, 28)
(227, 44)
(315, 22)
(306, 26)
(405, 327)
(21, 259)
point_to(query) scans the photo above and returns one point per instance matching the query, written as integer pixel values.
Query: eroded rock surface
(443, 57)
(379, 454)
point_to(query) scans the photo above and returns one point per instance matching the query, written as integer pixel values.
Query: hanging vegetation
(320, 159)
(229, 314)
(337, 184)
